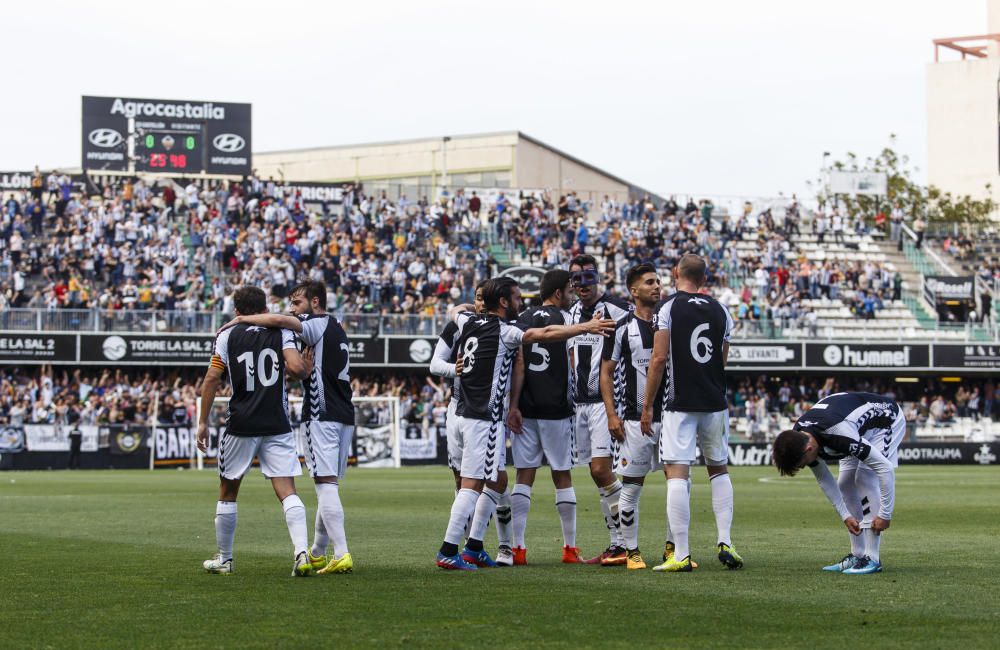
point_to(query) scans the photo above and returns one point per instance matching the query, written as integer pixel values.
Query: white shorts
(683, 433)
(277, 454)
(484, 448)
(454, 439)
(639, 454)
(886, 441)
(593, 440)
(554, 437)
(328, 445)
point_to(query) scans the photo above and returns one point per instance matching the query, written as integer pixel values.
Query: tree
(914, 199)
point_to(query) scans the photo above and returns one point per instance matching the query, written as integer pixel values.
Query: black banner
(948, 288)
(37, 348)
(966, 356)
(862, 356)
(366, 350)
(313, 193)
(913, 453)
(411, 351)
(529, 278)
(140, 349)
(171, 136)
(764, 355)
(126, 439)
(15, 180)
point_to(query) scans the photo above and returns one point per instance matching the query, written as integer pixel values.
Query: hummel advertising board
(169, 135)
(861, 356)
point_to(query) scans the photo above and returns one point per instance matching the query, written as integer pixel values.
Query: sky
(712, 97)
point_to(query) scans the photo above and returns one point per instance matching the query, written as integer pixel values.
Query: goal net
(376, 431)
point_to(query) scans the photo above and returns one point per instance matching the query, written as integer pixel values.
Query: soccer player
(623, 387)
(862, 431)
(257, 425)
(328, 414)
(495, 498)
(593, 440)
(691, 346)
(488, 344)
(541, 417)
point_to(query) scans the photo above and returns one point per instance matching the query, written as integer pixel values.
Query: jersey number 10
(268, 376)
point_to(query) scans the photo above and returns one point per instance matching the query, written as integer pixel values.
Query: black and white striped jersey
(328, 389)
(487, 346)
(254, 358)
(631, 351)
(699, 327)
(588, 349)
(446, 351)
(845, 424)
(546, 391)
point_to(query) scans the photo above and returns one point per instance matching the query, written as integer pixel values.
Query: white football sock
(504, 532)
(872, 542)
(610, 495)
(295, 519)
(722, 505)
(461, 510)
(628, 511)
(225, 527)
(847, 482)
(333, 515)
(566, 505)
(520, 504)
(868, 486)
(486, 505)
(679, 512)
(320, 537)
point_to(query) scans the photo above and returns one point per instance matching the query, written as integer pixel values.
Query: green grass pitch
(108, 559)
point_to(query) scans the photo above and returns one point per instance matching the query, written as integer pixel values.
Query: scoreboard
(166, 136)
(169, 150)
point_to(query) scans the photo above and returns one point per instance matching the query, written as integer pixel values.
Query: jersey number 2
(260, 370)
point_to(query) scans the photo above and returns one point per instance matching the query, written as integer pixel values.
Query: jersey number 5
(267, 377)
(544, 354)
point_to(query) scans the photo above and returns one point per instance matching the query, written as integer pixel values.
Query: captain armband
(217, 363)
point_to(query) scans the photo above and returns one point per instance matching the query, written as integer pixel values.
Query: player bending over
(488, 345)
(327, 414)
(862, 431)
(256, 425)
(541, 417)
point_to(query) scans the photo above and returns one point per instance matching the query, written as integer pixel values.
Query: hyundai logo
(228, 142)
(105, 138)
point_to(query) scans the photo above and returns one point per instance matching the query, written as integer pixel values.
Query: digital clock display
(168, 151)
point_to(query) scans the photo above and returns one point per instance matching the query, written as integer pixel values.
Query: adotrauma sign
(871, 355)
(915, 453)
(48, 348)
(139, 349)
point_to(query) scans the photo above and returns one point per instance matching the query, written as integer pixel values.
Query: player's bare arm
(458, 309)
(615, 426)
(209, 387)
(654, 377)
(275, 321)
(514, 419)
(602, 326)
(295, 364)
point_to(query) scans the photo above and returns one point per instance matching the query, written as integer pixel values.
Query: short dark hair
(482, 284)
(553, 281)
(495, 289)
(311, 289)
(637, 272)
(788, 449)
(250, 300)
(692, 267)
(583, 261)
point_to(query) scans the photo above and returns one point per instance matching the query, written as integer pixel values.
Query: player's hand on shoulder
(879, 524)
(236, 321)
(853, 526)
(603, 326)
(309, 359)
(458, 365)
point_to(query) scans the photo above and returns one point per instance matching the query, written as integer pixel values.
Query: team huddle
(627, 387)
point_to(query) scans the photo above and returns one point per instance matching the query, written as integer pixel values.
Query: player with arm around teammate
(327, 414)
(593, 439)
(257, 424)
(623, 387)
(541, 417)
(488, 345)
(691, 346)
(861, 431)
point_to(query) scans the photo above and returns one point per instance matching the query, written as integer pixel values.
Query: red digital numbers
(178, 161)
(157, 160)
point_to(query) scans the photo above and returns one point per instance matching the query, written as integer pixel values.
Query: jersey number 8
(267, 377)
(469, 354)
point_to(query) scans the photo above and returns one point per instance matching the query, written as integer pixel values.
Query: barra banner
(36, 347)
(912, 453)
(174, 446)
